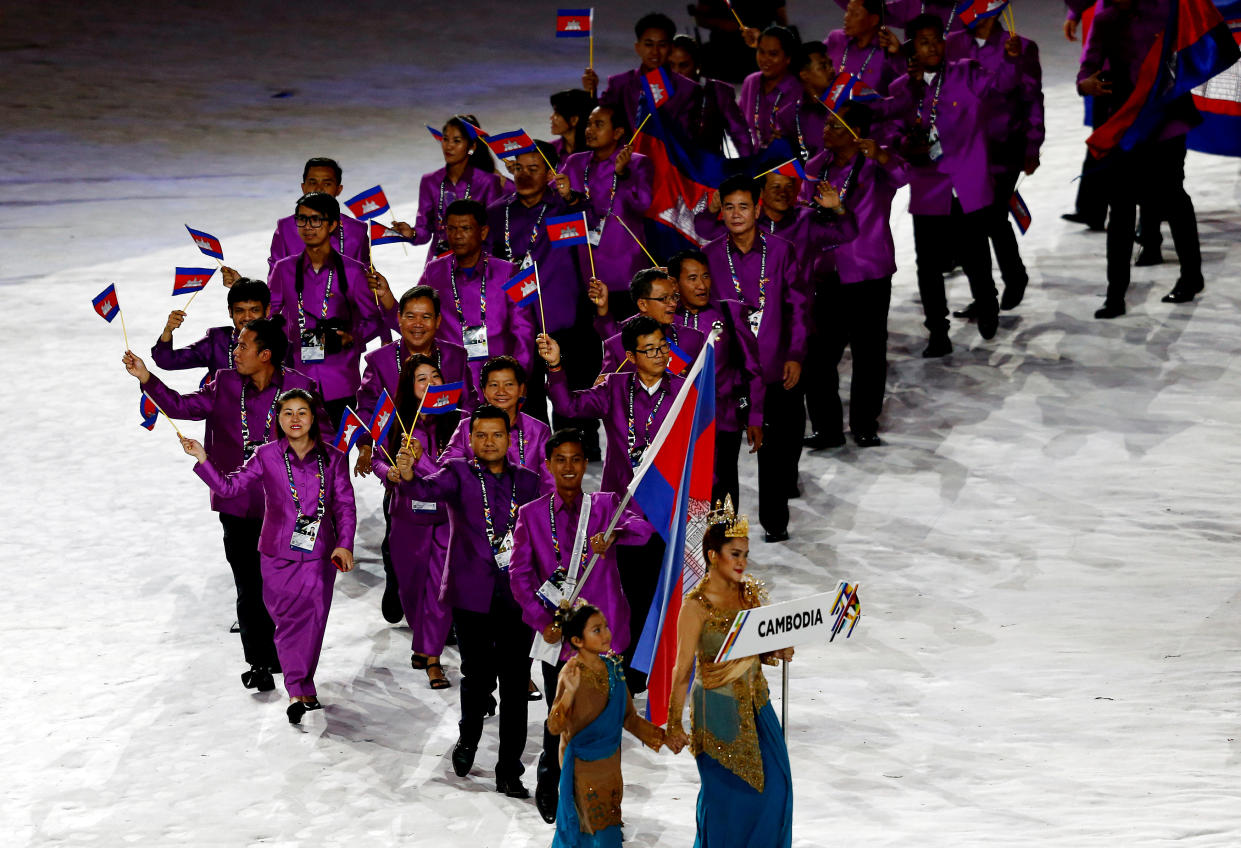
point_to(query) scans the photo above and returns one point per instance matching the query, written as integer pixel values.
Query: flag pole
(590, 40)
(735, 15)
(654, 264)
(538, 290)
(773, 170)
(784, 698)
(191, 300)
(124, 332)
(589, 252)
(639, 129)
(165, 414)
(842, 121)
(410, 432)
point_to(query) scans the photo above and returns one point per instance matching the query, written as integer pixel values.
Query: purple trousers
(419, 552)
(298, 596)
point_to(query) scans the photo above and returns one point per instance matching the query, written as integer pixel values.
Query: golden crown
(735, 526)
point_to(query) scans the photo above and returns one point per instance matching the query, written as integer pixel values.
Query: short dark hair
(804, 51)
(859, 116)
(874, 7)
(321, 162)
(485, 411)
(677, 259)
(269, 334)
(246, 289)
(416, 293)
(546, 152)
(635, 328)
(784, 35)
(617, 116)
(324, 204)
(468, 207)
(501, 363)
(921, 22)
(564, 436)
(644, 281)
(574, 625)
(740, 182)
(300, 394)
(689, 44)
(655, 20)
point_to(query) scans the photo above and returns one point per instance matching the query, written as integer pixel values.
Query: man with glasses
(327, 305)
(656, 296)
(352, 239)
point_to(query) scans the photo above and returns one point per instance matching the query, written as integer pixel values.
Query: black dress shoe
(778, 536)
(297, 709)
(235, 627)
(866, 440)
(463, 758)
(1078, 218)
(1181, 294)
(822, 441)
(491, 706)
(512, 787)
(1013, 295)
(988, 323)
(1148, 256)
(451, 639)
(969, 313)
(940, 345)
(258, 678)
(547, 798)
(1110, 310)
(391, 603)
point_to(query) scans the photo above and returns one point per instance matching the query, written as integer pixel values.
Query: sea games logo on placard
(783, 624)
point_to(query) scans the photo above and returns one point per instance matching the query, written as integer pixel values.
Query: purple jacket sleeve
(344, 511)
(606, 325)
(443, 485)
(632, 528)
(276, 252)
(524, 578)
(594, 402)
(192, 407)
(797, 300)
(637, 192)
(707, 225)
(751, 364)
(424, 224)
(197, 355)
(240, 481)
(1032, 97)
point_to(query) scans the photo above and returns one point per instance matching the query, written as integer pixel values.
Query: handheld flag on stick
(971, 11)
(792, 168)
(381, 234)
(435, 134)
(678, 360)
(1020, 212)
(439, 400)
(639, 129)
(108, 306)
(369, 204)
(148, 410)
(207, 243)
(570, 229)
(844, 88)
(522, 289)
(512, 143)
(381, 420)
(190, 281)
(573, 23)
(351, 429)
(636, 239)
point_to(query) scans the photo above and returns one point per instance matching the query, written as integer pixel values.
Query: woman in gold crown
(747, 792)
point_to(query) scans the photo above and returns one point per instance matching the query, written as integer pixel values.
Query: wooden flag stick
(416, 414)
(654, 264)
(736, 17)
(550, 166)
(398, 416)
(1012, 20)
(165, 414)
(773, 170)
(639, 129)
(842, 121)
(391, 461)
(590, 253)
(191, 300)
(538, 290)
(124, 332)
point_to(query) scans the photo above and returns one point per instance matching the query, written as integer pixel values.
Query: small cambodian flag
(844, 88)
(440, 400)
(368, 204)
(187, 280)
(972, 11)
(148, 411)
(658, 87)
(792, 168)
(678, 360)
(509, 144)
(383, 235)
(1020, 212)
(351, 429)
(567, 230)
(523, 288)
(381, 421)
(207, 243)
(574, 23)
(435, 134)
(106, 304)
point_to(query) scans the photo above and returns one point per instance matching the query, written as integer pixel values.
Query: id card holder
(527, 262)
(593, 237)
(505, 551)
(937, 150)
(248, 450)
(552, 592)
(475, 342)
(422, 507)
(312, 347)
(635, 456)
(305, 531)
(756, 321)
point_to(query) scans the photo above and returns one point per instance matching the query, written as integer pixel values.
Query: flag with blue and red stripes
(435, 134)
(971, 11)
(509, 144)
(792, 168)
(678, 360)
(188, 280)
(106, 303)
(148, 411)
(1020, 212)
(523, 288)
(440, 400)
(844, 88)
(368, 204)
(351, 429)
(574, 23)
(658, 86)
(207, 243)
(1219, 100)
(566, 230)
(381, 420)
(384, 235)
(672, 486)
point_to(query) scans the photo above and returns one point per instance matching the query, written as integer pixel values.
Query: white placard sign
(778, 626)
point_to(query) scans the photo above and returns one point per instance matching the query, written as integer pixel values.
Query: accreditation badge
(527, 262)
(475, 342)
(503, 552)
(422, 507)
(756, 321)
(305, 531)
(594, 236)
(248, 449)
(312, 347)
(937, 150)
(552, 593)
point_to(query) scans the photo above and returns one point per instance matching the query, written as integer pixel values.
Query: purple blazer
(436, 193)
(338, 373)
(560, 279)
(351, 239)
(213, 352)
(534, 559)
(1014, 119)
(218, 403)
(618, 257)
(471, 578)
(382, 373)
(624, 89)
(401, 507)
(769, 115)
(809, 119)
(872, 64)
(715, 115)
(609, 401)
(266, 472)
(898, 13)
(688, 340)
(871, 253)
(738, 374)
(526, 447)
(785, 327)
(964, 168)
(510, 328)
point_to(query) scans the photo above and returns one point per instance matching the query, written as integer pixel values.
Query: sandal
(437, 681)
(534, 694)
(417, 661)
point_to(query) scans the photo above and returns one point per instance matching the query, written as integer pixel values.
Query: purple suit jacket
(383, 371)
(352, 239)
(436, 193)
(266, 472)
(526, 447)
(739, 384)
(872, 64)
(618, 257)
(770, 114)
(1014, 118)
(688, 340)
(624, 90)
(213, 352)
(401, 504)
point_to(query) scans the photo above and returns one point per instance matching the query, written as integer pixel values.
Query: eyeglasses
(313, 222)
(662, 349)
(669, 299)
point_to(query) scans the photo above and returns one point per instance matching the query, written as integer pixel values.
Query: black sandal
(437, 682)
(417, 661)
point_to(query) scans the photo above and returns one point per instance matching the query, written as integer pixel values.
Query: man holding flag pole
(248, 300)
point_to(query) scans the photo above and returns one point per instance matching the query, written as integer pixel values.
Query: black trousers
(859, 320)
(1003, 239)
(548, 771)
(639, 574)
(822, 406)
(582, 354)
(495, 647)
(1155, 171)
(784, 426)
(964, 235)
(727, 450)
(241, 549)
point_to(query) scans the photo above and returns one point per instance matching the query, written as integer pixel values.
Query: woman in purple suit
(418, 537)
(308, 525)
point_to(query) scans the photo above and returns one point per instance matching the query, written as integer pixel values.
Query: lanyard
(232, 348)
(521, 446)
(245, 424)
(297, 504)
(762, 270)
(775, 107)
(650, 419)
(399, 348)
(939, 84)
(534, 231)
(482, 287)
(603, 219)
(439, 212)
(689, 319)
(843, 191)
(512, 509)
(551, 512)
(327, 295)
(844, 58)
